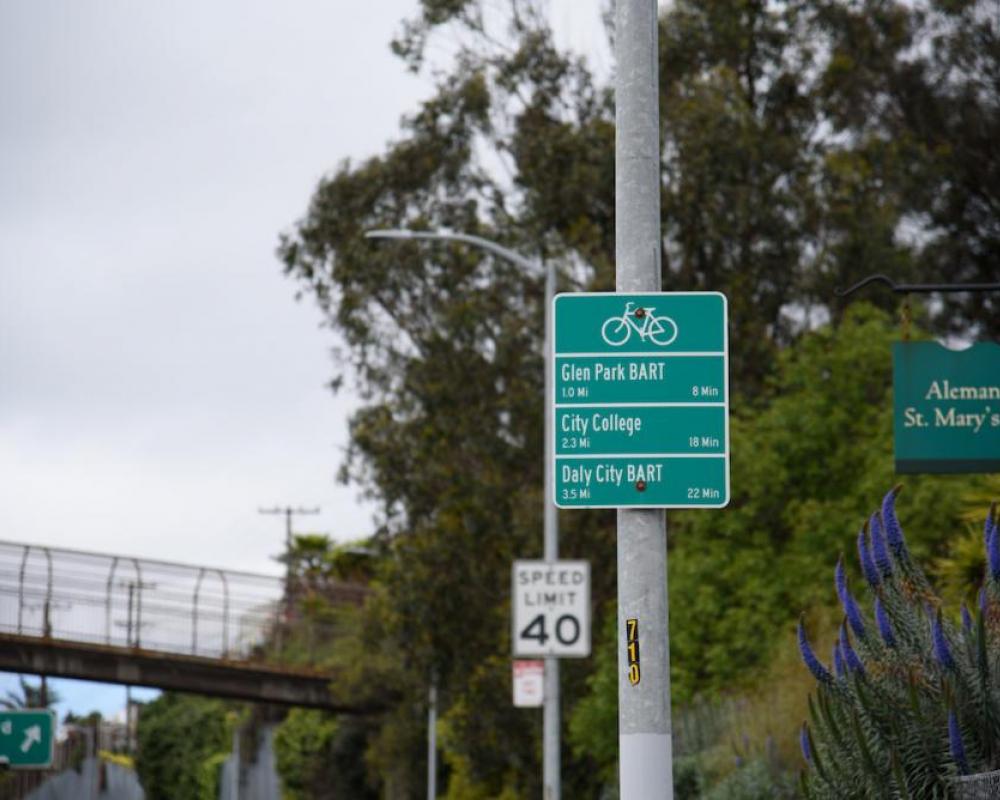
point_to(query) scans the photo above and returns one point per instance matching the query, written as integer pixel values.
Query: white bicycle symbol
(618, 330)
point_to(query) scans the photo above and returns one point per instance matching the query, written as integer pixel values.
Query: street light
(550, 523)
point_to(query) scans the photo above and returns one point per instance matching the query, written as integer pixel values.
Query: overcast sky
(158, 382)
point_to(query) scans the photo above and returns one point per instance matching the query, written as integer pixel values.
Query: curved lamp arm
(901, 288)
(448, 236)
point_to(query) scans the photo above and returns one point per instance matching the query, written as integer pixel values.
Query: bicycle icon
(616, 331)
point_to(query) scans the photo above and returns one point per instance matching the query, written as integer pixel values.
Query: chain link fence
(121, 601)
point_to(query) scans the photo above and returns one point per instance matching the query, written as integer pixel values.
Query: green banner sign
(641, 400)
(946, 407)
(26, 738)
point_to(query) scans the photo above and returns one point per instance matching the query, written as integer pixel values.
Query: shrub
(911, 697)
(687, 778)
(753, 781)
(182, 741)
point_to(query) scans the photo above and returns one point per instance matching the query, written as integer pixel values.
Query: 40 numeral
(567, 630)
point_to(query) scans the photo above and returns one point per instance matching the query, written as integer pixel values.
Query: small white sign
(529, 684)
(551, 608)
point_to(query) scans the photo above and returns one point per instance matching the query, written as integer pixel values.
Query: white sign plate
(550, 602)
(529, 684)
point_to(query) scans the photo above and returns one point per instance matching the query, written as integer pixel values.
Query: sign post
(26, 738)
(551, 721)
(645, 763)
(946, 406)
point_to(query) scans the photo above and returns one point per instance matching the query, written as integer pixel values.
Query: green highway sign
(27, 738)
(641, 429)
(946, 407)
(616, 379)
(641, 392)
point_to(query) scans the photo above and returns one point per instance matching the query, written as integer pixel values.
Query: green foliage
(959, 571)
(319, 755)
(739, 576)
(754, 781)
(209, 776)
(912, 699)
(593, 725)
(92, 719)
(183, 740)
(31, 695)
(801, 481)
(687, 778)
(300, 746)
(800, 153)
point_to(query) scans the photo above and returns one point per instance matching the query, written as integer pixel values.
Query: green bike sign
(26, 738)
(641, 392)
(946, 407)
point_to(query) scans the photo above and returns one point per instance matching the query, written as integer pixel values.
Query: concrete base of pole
(646, 764)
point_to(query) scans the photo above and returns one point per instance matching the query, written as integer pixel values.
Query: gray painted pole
(644, 733)
(551, 756)
(551, 774)
(432, 742)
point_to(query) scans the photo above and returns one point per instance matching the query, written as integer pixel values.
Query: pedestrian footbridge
(140, 622)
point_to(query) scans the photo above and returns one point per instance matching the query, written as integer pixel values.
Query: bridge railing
(131, 602)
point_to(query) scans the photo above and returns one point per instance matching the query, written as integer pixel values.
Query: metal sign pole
(432, 741)
(645, 768)
(551, 775)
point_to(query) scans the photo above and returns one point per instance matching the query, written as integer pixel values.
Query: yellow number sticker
(632, 645)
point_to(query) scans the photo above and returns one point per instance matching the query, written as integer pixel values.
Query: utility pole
(288, 512)
(129, 748)
(133, 623)
(644, 731)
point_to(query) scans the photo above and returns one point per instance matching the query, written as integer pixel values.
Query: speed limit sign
(551, 608)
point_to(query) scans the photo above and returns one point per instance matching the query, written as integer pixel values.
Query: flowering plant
(911, 699)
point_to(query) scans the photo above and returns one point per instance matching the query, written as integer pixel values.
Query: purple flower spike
(989, 526)
(993, 554)
(839, 667)
(821, 673)
(867, 564)
(942, 652)
(847, 601)
(956, 744)
(840, 580)
(804, 742)
(966, 619)
(879, 550)
(854, 616)
(893, 531)
(850, 657)
(884, 625)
